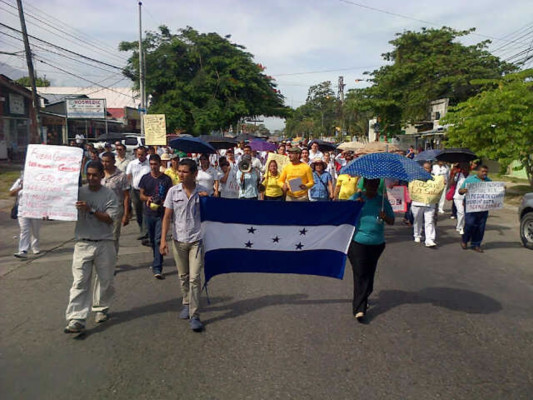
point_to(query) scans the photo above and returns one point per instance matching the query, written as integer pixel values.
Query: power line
(80, 77)
(326, 70)
(68, 37)
(408, 17)
(62, 48)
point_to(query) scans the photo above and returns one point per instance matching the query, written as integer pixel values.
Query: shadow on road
(453, 299)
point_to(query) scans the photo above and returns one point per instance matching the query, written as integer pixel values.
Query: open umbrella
(386, 165)
(191, 145)
(457, 155)
(323, 145)
(428, 155)
(245, 137)
(219, 142)
(350, 146)
(377, 147)
(262, 145)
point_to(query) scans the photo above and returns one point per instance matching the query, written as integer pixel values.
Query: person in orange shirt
(296, 170)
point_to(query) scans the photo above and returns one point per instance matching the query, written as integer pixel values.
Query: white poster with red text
(50, 182)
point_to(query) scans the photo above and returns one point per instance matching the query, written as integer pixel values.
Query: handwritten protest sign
(155, 129)
(280, 159)
(50, 186)
(427, 192)
(484, 196)
(397, 198)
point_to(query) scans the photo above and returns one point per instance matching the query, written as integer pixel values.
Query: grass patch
(8, 176)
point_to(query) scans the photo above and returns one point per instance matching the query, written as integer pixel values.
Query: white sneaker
(417, 240)
(431, 243)
(461, 232)
(21, 254)
(441, 211)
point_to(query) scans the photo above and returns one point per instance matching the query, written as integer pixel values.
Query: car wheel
(526, 230)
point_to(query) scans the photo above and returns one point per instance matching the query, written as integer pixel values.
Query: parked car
(525, 213)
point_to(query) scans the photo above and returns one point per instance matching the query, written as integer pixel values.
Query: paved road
(445, 324)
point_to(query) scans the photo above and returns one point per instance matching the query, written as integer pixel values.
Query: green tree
(39, 82)
(203, 82)
(497, 123)
(357, 112)
(318, 116)
(425, 66)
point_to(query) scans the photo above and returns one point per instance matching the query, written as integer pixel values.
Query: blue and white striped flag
(309, 238)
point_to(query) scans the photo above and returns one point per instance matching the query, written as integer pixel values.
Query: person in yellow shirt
(272, 191)
(296, 169)
(172, 171)
(346, 186)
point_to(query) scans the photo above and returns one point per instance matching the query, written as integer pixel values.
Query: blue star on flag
(251, 230)
(303, 231)
(299, 246)
(276, 239)
(248, 244)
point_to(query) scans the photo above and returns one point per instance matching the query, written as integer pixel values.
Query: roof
(115, 97)
(16, 87)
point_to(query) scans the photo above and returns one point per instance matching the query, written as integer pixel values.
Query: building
(18, 125)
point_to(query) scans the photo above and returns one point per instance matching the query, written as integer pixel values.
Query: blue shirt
(248, 188)
(320, 188)
(371, 230)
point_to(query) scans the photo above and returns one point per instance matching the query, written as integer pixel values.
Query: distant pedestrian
(135, 171)
(29, 227)
(94, 250)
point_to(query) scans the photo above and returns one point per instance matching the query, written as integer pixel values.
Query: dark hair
(247, 147)
(224, 164)
(108, 154)
(120, 145)
(140, 148)
(190, 163)
(155, 157)
(482, 166)
(204, 155)
(95, 165)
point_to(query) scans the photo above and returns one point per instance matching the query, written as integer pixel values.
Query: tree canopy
(426, 66)
(497, 123)
(318, 116)
(39, 82)
(202, 82)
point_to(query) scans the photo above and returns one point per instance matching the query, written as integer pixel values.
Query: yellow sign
(428, 192)
(280, 159)
(155, 129)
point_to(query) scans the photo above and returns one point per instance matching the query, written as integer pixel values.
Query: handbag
(15, 209)
(451, 192)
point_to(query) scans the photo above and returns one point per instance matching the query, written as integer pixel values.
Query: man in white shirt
(441, 169)
(136, 170)
(314, 152)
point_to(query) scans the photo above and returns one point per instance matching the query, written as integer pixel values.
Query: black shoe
(146, 242)
(142, 237)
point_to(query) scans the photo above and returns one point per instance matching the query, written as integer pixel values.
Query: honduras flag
(309, 238)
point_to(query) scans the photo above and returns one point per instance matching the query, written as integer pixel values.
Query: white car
(525, 213)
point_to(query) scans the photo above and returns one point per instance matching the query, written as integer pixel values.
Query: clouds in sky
(290, 37)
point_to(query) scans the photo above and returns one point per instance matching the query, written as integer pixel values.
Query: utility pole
(341, 86)
(31, 74)
(142, 108)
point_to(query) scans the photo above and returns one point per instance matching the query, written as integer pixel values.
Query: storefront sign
(85, 108)
(16, 104)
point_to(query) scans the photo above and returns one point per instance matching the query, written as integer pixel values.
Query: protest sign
(50, 184)
(397, 198)
(484, 196)
(280, 159)
(155, 129)
(427, 192)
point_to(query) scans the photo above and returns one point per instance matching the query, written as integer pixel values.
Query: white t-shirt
(230, 189)
(207, 179)
(137, 170)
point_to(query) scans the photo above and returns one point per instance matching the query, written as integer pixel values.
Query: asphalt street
(444, 323)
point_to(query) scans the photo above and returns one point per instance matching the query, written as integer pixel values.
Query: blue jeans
(153, 224)
(475, 227)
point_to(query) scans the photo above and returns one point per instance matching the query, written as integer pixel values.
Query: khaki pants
(189, 259)
(305, 197)
(88, 255)
(117, 226)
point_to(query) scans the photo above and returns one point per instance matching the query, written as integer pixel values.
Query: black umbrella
(110, 136)
(456, 155)
(323, 145)
(191, 145)
(219, 142)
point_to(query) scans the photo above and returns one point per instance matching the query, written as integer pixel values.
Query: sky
(300, 42)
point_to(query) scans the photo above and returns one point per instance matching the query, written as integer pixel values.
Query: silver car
(525, 213)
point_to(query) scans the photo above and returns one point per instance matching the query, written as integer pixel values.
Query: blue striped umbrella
(386, 165)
